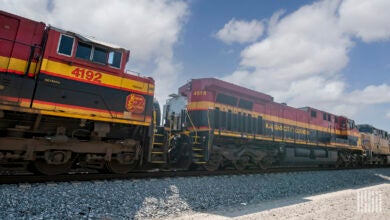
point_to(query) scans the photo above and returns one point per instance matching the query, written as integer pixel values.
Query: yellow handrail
(192, 123)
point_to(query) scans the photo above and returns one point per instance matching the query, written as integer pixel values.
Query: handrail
(192, 123)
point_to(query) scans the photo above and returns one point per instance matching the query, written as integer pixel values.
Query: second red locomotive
(247, 128)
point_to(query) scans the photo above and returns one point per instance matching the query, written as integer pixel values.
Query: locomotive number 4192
(87, 75)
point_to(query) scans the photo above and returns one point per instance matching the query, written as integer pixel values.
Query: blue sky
(200, 51)
(329, 54)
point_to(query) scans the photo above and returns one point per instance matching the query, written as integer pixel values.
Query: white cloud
(274, 20)
(300, 60)
(303, 45)
(368, 20)
(240, 31)
(150, 29)
(371, 95)
(388, 115)
(34, 9)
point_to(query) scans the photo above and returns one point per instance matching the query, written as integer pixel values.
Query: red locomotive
(70, 97)
(247, 128)
(66, 101)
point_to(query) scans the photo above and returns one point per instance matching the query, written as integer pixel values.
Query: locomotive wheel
(354, 163)
(185, 159)
(213, 163)
(339, 163)
(52, 169)
(263, 165)
(348, 163)
(115, 166)
(242, 163)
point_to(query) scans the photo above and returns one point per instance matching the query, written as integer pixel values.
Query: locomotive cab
(175, 113)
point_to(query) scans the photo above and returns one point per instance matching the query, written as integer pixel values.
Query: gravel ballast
(162, 198)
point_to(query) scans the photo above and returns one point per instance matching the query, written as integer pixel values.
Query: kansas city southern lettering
(278, 127)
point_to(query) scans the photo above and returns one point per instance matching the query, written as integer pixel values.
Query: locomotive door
(8, 30)
(9, 82)
(20, 41)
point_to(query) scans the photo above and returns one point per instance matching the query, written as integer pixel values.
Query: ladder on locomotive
(158, 150)
(199, 151)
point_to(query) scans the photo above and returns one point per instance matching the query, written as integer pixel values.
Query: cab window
(65, 45)
(226, 99)
(114, 59)
(84, 51)
(245, 104)
(99, 55)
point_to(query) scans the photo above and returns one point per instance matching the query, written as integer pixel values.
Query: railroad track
(148, 174)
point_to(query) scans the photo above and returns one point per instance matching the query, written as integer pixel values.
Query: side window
(114, 59)
(84, 51)
(245, 104)
(99, 55)
(226, 99)
(65, 45)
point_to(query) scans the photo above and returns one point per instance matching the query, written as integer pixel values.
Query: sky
(333, 55)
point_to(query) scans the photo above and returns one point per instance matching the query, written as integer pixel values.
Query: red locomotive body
(246, 127)
(69, 96)
(91, 77)
(21, 44)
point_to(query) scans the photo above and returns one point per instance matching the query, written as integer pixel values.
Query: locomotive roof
(371, 127)
(18, 17)
(307, 108)
(86, 38)
(80, 36)
(224, 86)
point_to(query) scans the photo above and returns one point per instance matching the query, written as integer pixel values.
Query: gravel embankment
(157, 198)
